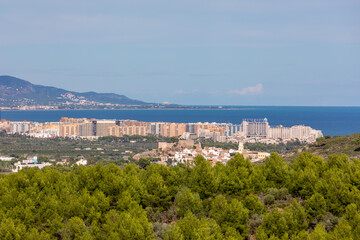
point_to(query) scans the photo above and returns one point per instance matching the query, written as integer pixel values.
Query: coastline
(121, 109)
(331, 120)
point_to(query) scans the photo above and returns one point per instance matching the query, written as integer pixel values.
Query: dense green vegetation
(307, 199)
(279, 148)
(223, 145)
(261, 147)
(325, 146)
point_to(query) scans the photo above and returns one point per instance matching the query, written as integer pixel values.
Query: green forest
(257, 146)
(309, 198)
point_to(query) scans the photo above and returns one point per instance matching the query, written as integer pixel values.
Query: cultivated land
(106, 147)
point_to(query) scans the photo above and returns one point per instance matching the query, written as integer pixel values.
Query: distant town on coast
(185, 144)
(250, 130)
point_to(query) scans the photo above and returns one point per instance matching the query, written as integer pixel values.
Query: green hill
(325, 146)
(18, 92)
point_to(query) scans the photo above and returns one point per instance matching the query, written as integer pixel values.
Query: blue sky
(228, 52)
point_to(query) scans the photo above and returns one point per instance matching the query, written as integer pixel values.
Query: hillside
(18, 92)
(325, 146)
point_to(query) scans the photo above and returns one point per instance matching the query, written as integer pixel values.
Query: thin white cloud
(182, 92)
(252, 90)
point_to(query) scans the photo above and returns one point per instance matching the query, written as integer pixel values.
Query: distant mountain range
(18, 92)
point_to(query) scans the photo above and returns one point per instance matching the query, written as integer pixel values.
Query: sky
(194, 52)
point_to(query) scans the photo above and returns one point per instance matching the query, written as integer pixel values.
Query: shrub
(330, 221)
(254, 222)
(279, 194)
(269, 199)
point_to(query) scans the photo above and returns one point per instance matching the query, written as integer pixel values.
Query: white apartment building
(20, 127)
(255, 128)
(29, 163)
(300, 132)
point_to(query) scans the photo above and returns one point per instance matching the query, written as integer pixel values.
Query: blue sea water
(331, 120)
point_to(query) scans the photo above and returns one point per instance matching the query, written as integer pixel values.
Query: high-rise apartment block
(155, 128)
(128, 127)
(173, 129)
(300, 132)
(69, 130)
(20, 127)
(99, 127)
(255, 128)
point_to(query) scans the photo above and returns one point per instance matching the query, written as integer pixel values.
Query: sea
(330, 120)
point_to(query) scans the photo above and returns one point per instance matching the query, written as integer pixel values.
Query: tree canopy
(309, 198)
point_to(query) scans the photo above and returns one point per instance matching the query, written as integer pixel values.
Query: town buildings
(20, 127)
(45, 130)
(4, 125)
(186, 151)
(257, 130)
(29, 163)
